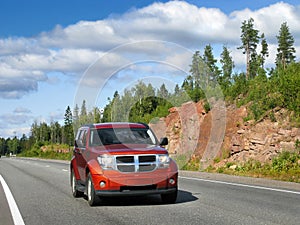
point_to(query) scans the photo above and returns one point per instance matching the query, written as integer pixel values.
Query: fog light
(172, 181)
(102, 184)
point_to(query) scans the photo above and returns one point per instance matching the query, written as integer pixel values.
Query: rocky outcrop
(223, 133)
(263, 140)
(182, 127)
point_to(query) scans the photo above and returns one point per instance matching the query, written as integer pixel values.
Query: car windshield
(110, 136)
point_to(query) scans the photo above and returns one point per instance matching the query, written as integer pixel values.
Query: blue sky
(31, 17)
(51, 52)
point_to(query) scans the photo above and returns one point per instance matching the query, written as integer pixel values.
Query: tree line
(265, 88)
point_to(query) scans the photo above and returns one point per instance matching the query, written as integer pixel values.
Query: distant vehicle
(121, 159)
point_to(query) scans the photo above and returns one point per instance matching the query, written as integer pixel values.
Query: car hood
(127, 149)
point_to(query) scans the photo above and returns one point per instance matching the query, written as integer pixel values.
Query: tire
(169, 198)
(75, 192)
(92, 198)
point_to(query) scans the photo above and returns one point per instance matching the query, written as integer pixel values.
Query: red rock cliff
(222, 133)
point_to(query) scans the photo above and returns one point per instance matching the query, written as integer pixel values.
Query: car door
(80, 154)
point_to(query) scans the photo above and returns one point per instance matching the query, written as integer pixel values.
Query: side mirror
(164, 141)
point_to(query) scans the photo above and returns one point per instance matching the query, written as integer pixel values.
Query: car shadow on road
(183, 197)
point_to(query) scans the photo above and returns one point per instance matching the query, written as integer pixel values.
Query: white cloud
(72, 60)
(180, 61)
(21, 45)
(25, 62)
(175, 21)
(16, 88)
(22, 110)
(269, 19)
(16, 122)
(84, 34)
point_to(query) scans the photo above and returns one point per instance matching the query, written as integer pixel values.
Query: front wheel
(75, 192)
(169, 198)
(92, 198)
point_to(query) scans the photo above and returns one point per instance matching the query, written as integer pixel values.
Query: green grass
(285, 167)
(49, 152)
(186, 162)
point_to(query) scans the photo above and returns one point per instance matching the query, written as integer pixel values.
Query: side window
(77, 140)
(94, 138)
(81, 138)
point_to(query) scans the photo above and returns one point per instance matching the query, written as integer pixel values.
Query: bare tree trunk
(248, 62)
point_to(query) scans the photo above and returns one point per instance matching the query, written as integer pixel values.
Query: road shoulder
(5, 215)
(242, 180)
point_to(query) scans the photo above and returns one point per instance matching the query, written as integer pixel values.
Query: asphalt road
(42, 192)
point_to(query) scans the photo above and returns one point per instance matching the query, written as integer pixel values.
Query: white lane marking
(242, 185)
(16, 215)
(65, 170)
(47, 166)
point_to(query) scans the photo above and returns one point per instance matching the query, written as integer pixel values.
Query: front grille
(136, 163)
(125, 159)
(126, 168)
(147, 158)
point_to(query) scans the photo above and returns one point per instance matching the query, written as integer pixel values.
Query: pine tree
(227, 66)
(35, 131)
(97, 115)
(83, 118)
(250, 39)
(68, 128)
(76, 118)
(264, 53)
(116, 113)
(127, 103)
(195, 83)
(208, 58)
(176, 90)
(83, 111)
(107, 111)
(76, 113)
(285, 48)
(44, 132)
(55, 132)
(163, 92)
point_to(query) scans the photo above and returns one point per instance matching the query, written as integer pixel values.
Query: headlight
(106, 161)
(163, 161)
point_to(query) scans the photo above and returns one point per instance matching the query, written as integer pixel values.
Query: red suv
(121, 159)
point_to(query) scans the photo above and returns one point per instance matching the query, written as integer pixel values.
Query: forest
(263, 88)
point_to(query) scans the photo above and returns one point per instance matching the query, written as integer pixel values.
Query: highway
(41, 190)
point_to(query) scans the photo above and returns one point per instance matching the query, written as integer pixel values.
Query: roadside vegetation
(262, 89)
(57, 151)
(285, 167)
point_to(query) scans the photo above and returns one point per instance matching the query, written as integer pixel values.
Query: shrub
(192, 165)
(206, 107)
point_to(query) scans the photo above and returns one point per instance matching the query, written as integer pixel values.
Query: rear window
(111, 136)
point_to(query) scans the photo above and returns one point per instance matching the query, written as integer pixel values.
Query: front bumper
(135, 184)
(135, 192)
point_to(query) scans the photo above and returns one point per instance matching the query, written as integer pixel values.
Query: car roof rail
(146, 125)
